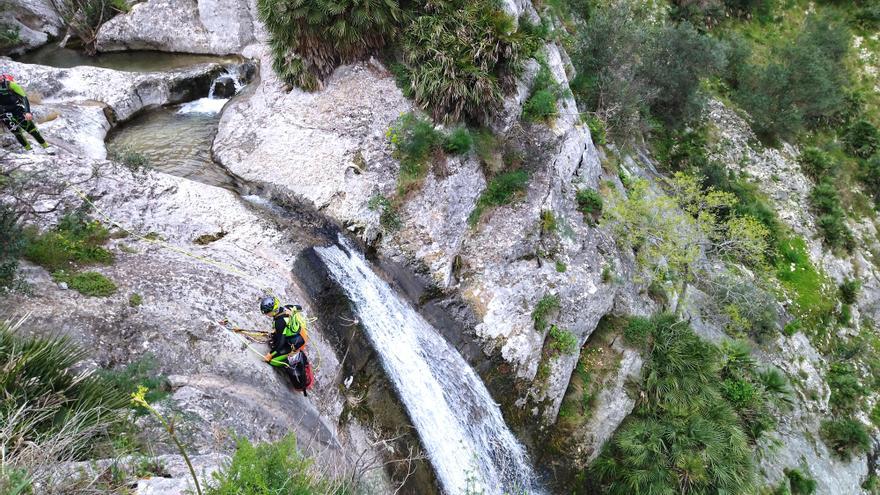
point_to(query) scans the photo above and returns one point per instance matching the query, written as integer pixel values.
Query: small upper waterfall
(460, 425)
(222, 89)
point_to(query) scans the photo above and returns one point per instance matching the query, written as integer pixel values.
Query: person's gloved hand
(268, 357)
(28, 116)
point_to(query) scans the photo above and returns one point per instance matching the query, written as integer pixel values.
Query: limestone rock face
(35, 21)
(330, 148)
(219, 27)
(218, 384)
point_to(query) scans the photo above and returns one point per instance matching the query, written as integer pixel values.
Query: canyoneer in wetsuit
(15, 112)
(287, 340)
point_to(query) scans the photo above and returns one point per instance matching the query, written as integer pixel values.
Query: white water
(211, 105)
(459, 424)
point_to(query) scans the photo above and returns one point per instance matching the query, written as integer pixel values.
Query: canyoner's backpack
(299, 370)
(296, 322)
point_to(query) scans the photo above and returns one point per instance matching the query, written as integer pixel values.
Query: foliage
(131, 158)
(870, 177)
(597, 130)
(389, 217)
(9, 35)
(49, 412)
(87, 283)
(630, 67)
(138, 373)
(546, 306)
(816, 164)
(845, 436)
(541, 104)
(846, 388)
(416, 143)
(310, 39)
(12, 244)
(548, 222)
(135, 300)
(799, 483)
(803, 85)
(562, 340)
(849, 290)
(15, 482)
(805, 284)
(74, 241)
(84, 18)
(271, 468)
(501, 190)
(459, 141)
(825, 200)
(685, 435)
(862, 139)
(461, 57)
(589, 203)
(748, 308)
(637, 331)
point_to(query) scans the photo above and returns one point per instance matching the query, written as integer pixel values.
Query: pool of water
(132, 61)
(176, 140)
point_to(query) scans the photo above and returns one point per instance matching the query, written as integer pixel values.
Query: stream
(458, 423)
(134, 61)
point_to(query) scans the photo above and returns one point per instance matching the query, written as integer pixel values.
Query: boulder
(218, 27)
(34, 21)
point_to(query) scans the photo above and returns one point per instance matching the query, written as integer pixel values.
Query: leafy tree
(870, 177)
(85, 17)
(803, 85)
(669, 233)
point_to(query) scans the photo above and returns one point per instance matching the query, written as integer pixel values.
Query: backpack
(296, 322)
(299, 371)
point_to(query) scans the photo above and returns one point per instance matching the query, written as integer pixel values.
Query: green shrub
(862, 139)
(806, 285)
(310, 39)
(870, 177)
(9, 36)
(817, 164)
(541, 104)
(560, 267)
(135, 300)
(563, 341)
(637, 331)
(73, 241)
(683, 432)
(802, 85)
(849, 291)
(130, 158)
(12, 243)
(825, 201)
(389, 217)
(597, 130)
(271, 468)
(87, 283)
(462, 57)
(845, 436)
(459, 141)
(548, 221)
(51, 409)
(792, 327)
(546, 306)
(501, 190)
(139, 373)
(847, 391)
(631, 67)
(800, 483)
(15, 482)
(414, 140)
(589, 203)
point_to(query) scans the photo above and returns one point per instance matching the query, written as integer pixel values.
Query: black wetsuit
(14, 105)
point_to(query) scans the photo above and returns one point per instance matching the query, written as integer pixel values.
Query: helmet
(268, 304)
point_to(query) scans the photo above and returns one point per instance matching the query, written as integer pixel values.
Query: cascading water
(212, 104)
(177, 140)
(460, 425)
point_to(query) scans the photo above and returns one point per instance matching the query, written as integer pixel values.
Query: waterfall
(458, 422)
(212, 104)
